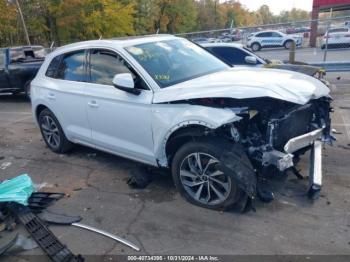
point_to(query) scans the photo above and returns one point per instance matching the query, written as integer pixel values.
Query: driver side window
(105, 64)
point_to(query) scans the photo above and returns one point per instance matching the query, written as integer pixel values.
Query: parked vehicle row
(167, 102)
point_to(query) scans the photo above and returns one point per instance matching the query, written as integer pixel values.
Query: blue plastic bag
(18, 190)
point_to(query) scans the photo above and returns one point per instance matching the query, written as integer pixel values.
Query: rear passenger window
(72, 67)
(51, 70)
(265, 34)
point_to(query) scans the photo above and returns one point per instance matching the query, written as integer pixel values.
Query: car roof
(340, 27)
(114, 42)
(268, 31)
(236, 45)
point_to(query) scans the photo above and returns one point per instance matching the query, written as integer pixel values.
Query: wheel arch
(38, 109)
(182, 135)
(288, 40)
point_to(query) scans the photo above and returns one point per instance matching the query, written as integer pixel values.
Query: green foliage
(65, 21)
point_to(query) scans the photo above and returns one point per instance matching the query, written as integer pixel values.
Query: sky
(276, 6)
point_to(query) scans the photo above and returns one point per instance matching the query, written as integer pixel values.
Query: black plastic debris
(7, 242)
(140, 180)
(59, 219)
(48, 242)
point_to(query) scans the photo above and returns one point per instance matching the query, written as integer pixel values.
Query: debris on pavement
(5, 165)
(104, 233)
(140, 180)
(19, 204)
(7, 243)
(48, 242)
(16, 190)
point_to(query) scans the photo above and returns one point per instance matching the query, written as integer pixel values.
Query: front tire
(197, 176)
(288, 44)
(52, 133)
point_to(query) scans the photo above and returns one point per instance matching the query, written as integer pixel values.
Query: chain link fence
(318, 41)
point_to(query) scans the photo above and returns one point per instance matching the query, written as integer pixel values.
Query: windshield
(174, 61)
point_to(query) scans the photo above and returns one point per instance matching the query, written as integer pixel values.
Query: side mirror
(126, 83)
(251, 60)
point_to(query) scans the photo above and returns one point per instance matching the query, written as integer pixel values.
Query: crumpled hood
(243, 83)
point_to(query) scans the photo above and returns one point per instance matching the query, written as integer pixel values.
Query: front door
(120, 121)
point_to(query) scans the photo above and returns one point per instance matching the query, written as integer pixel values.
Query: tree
(8, 23)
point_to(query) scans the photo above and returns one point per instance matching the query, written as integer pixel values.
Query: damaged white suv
(166, 102)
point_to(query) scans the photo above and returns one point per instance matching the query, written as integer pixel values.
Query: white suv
(265, 39)
(336, 37)
(166, 102)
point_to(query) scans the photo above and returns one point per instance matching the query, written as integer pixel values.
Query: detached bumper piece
(315, 170)
(42, 235)
(284, 160)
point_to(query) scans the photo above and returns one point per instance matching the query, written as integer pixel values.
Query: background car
(265, 39)
(337, 37)
(18, 66)
(202, 40)
(237, 55)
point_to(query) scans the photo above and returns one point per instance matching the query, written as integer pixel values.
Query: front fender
(167, 118)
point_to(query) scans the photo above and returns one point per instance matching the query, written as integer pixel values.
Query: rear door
(65, 94)
(120, 121)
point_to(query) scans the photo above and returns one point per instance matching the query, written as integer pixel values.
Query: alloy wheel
(203, 181)
(50, 131)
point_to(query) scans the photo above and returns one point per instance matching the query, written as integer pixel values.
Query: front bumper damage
(284, 160)
(287, 136)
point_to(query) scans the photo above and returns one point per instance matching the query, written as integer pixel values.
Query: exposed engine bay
(276, 133)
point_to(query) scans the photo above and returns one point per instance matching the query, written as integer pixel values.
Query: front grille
(293, 124)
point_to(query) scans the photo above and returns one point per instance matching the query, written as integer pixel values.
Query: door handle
(51, 96)
(93, 104)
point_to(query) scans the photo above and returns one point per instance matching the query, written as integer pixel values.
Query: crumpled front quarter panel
(167, 118)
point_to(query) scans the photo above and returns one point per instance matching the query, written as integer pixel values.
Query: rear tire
(52, 133)
(256, 47)
(204, 184)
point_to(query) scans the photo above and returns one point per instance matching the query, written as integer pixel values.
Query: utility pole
(327, 35)
(23, 23)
